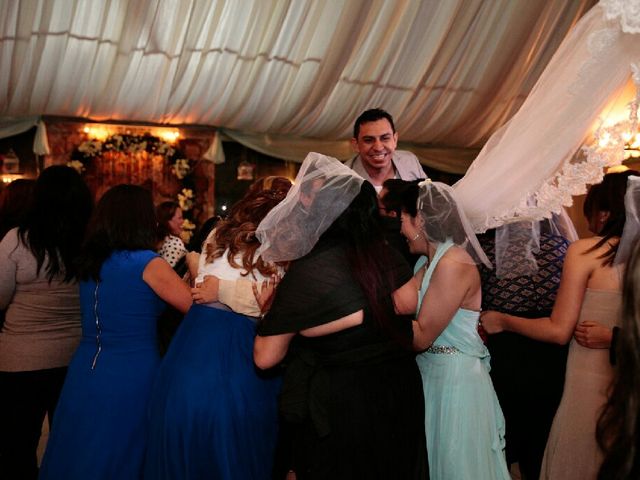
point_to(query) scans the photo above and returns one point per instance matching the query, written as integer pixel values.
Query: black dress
(352, 400)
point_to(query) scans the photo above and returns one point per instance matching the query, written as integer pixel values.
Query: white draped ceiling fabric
(283, 76)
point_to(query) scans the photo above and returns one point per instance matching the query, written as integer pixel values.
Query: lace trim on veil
(628, 11)
(586, 167)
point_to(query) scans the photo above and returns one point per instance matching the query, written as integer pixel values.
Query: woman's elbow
(420, 341)
(263, 357)
(560, 336)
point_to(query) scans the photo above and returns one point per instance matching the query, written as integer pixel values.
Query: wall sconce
(245, 170)
(10, 167)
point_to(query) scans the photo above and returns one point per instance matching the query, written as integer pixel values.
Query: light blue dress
(463, 421)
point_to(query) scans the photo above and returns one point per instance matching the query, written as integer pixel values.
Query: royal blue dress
(99, 428)
(212, 413)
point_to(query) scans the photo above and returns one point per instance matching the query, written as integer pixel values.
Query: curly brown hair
(237, 231)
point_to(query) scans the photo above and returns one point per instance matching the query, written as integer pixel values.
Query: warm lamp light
(8, 178)
(101, 132)
(168, 135)
(621, 137)
(617, 169)
(97, 132)
(632, 146)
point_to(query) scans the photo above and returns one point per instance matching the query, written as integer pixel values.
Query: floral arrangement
(185, 199)
(77, 165)
(188, 228)
(180, 166)
(127, 143)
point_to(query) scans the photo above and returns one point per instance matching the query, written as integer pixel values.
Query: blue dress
(464, 425)
(212, 413)
(99, 428)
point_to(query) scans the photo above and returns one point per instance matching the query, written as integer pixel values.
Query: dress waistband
(442, 349)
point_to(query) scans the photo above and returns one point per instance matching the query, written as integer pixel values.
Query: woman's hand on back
(207, 291)
(593, 335)
(492, 321)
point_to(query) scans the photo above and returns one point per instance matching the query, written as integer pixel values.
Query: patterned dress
(528, 375)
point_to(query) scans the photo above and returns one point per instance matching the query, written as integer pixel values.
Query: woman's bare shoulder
(456, 260)
(587, 246)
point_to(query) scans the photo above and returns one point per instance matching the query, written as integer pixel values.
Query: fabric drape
(536, 149)
(451, 72)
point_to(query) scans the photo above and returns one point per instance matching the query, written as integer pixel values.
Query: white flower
(186, 235)
(162, 148)
(185, 199)
(181, 168)
(77, 165)
(188, 224)
(90, 147)
(137, 147)
(187, 230)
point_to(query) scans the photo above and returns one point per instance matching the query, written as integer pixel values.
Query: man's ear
(354, 144)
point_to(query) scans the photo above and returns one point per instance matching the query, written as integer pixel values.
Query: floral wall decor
(144, 160)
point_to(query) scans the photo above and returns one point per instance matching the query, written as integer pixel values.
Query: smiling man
(375, 139)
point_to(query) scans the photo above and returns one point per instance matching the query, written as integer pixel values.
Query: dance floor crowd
(350, 324)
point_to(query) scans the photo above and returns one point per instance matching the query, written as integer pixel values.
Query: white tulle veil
(322, 190)
(631, 231)
(529, 168)
(443, 220)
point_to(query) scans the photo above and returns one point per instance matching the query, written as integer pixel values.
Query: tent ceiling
(450, 71)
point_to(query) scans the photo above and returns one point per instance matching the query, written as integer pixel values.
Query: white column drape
(451, 72)
(14, 126)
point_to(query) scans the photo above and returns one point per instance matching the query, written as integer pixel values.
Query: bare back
(600, 277)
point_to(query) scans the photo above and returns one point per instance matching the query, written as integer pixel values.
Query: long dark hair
(54, 225)
(368, 256)
(124, 219)
(618, 429)
(608, 196)
(15, 201)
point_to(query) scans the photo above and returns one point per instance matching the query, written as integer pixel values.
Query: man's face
(376, 143)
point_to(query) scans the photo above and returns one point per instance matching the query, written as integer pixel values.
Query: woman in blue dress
(464, 425)
(99, 428)
(212, 414)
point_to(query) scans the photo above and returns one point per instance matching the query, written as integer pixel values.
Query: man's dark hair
(372, 115)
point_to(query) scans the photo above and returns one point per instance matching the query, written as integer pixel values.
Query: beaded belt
(446, 349)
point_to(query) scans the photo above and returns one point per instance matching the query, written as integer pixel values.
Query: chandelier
(621, 140)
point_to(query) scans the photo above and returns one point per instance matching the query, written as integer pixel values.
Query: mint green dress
(463, 421)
